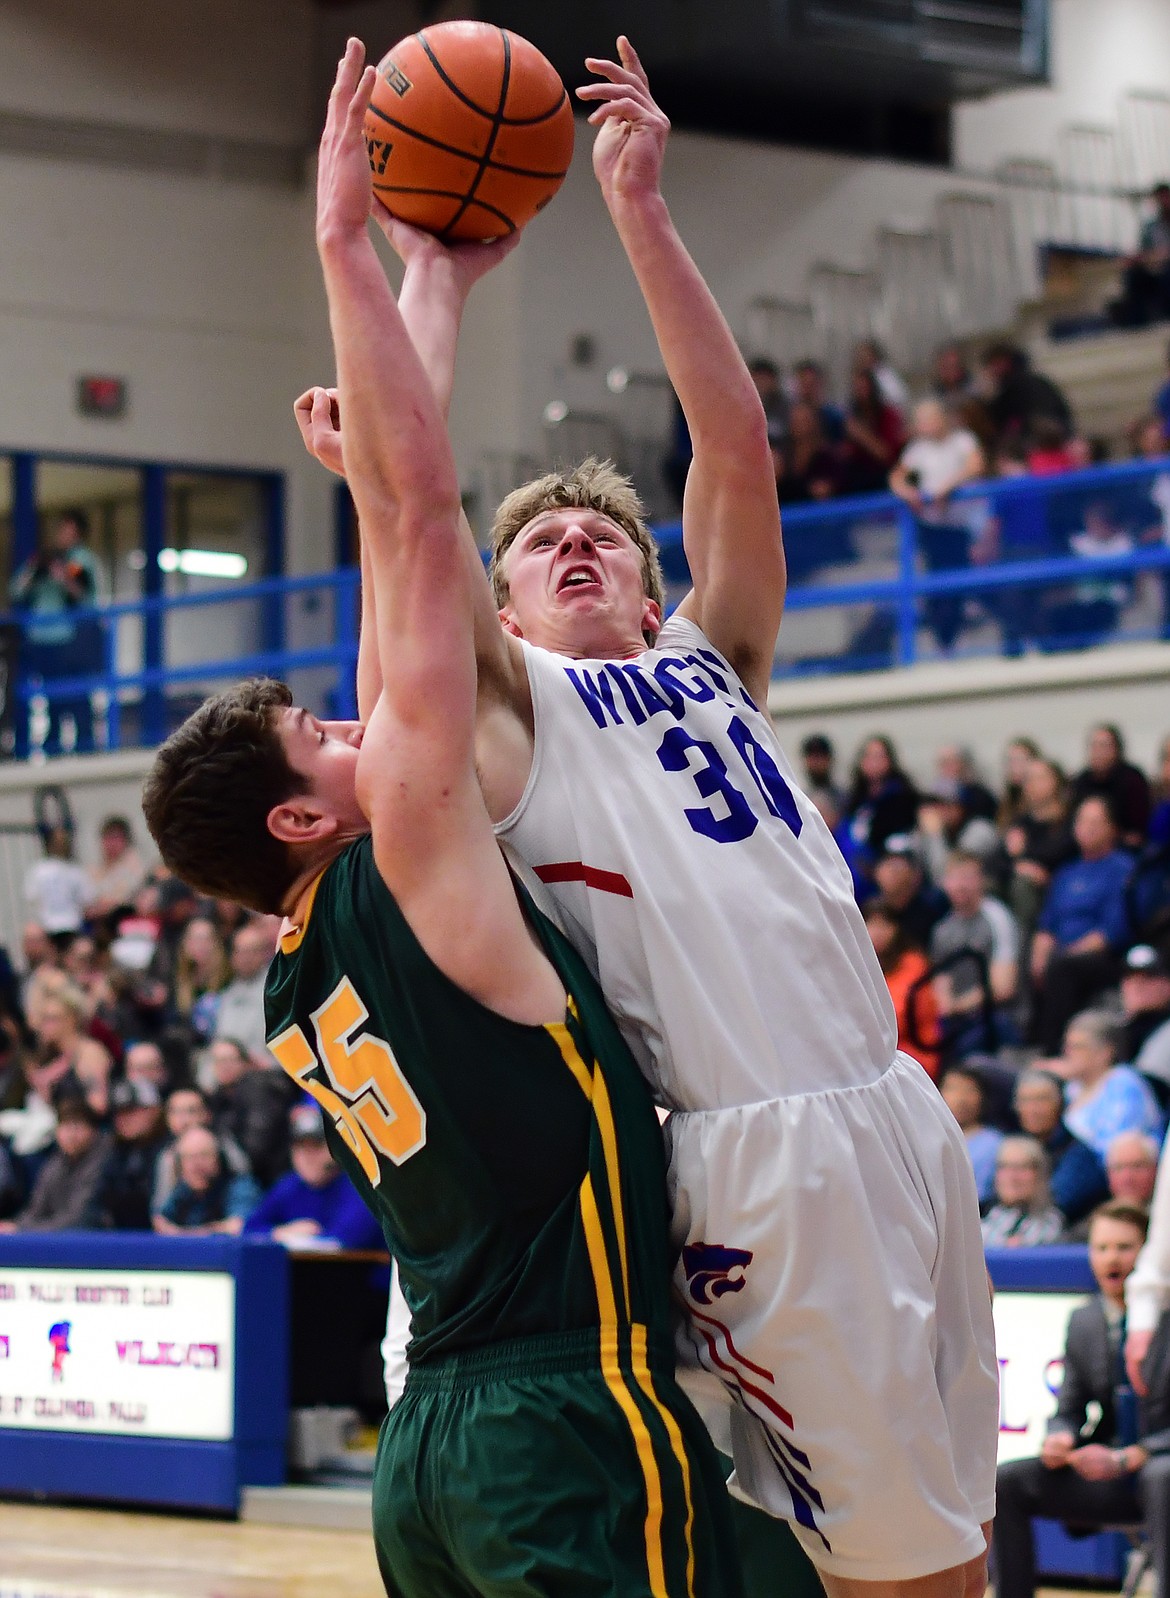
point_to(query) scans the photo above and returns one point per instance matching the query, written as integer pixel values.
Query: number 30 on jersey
(368, 1099)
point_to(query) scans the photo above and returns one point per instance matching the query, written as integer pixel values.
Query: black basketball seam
(505, 80)
(465, 99)
(468, 155)
(444, 194)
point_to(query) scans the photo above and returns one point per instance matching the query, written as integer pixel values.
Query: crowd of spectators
(136, 1091)
(1024, 933)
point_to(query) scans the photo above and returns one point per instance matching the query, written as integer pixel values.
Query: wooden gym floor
(86, 1553)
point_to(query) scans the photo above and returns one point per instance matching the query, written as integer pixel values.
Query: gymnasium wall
(1100, 50)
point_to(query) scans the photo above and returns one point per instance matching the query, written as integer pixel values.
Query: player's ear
(651, 618)
(509, 623)
(300, 820)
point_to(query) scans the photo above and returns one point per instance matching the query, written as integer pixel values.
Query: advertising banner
(1029, 1335)
(137, 1353)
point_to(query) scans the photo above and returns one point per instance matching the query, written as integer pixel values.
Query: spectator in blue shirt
(1079, 1182)
(1083, 926)
(208, 1197)
(315, 1200)
(1106, 1099)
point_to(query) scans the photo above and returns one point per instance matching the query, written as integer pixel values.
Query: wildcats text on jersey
(675, 679)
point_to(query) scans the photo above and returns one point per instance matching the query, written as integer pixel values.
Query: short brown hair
(1119, 1210)
(594, 485)
(207, 796)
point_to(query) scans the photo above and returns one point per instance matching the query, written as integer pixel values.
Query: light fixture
(555, 412)
(202, 562)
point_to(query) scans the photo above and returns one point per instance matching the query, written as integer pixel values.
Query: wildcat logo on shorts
(713, 1269)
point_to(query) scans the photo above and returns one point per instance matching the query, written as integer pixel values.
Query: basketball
(470, 130)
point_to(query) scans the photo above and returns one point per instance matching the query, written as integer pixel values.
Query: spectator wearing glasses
(1023, 1215)
(1076, 1173)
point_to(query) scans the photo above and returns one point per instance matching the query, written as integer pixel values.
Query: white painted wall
(1100, 50)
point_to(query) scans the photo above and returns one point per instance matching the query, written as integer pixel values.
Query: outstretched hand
(344, 184)
(319, 421)
(632, 130)
(420, 250)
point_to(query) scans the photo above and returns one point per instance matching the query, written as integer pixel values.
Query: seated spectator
(184, 1108)
(1131, 1164)
(1038, 841)
(315, 1199)
(140, 1135)
(1083, 925)
(240, 1014)
(955, 768)
(984, 929)
(906, 891)
(1159, 833)
(1090, 609)
(1050, 449)
(1104, 1098)
(809, 468)
(874, 437)
(250, 1104)
(1145, 1000)
(881, 801)
(941, 457)
(817, 756)
(809, 388)
(946, 825)
(965, 1095)
(1017, 757)
(57, 889)
(66, 1194)
(1145, 292)
(201, 972)
(1023, 1215)
(870, 357)
(1092, 1470)
(144, 1063)
(905, 967)
(115, 881)
(1077, 1177)
(41, 957)
(1108, 775)
(207, 1198)
(952, 379)
(765, 374)
(64, 1050)
(1018, 397)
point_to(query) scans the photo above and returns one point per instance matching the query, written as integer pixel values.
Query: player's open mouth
(579, 577)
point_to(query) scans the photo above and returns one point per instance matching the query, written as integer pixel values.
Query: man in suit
(1117, 1472)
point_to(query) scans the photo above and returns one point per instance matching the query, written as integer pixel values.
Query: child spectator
(1023, 1214)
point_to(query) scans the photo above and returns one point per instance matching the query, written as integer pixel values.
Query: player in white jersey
(825, 1208)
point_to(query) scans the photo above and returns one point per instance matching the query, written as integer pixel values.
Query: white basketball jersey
(704, 889)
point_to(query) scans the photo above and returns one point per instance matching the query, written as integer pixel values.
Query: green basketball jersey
(517, 1171)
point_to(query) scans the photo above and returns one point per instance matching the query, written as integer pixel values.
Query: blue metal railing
(867, 568)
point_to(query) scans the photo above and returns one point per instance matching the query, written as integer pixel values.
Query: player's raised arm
(416, 776)
(731, 520)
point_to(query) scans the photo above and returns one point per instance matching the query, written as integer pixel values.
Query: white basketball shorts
(839, 1340)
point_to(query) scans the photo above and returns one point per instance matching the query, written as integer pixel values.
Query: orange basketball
(469, 130)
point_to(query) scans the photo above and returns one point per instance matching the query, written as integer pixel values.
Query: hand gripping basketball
(343, 168)
(632, 130)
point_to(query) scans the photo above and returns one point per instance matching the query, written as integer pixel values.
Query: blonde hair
(593, 485)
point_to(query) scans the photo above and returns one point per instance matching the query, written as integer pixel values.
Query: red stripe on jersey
(591, 876)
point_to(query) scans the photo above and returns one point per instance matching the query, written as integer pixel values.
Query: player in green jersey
(476, 1089)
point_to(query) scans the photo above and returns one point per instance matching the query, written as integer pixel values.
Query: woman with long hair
(1039, 841)
(64, 1048)
(1017, 757)
(882, 800)
(874, 436)
(202, 970)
